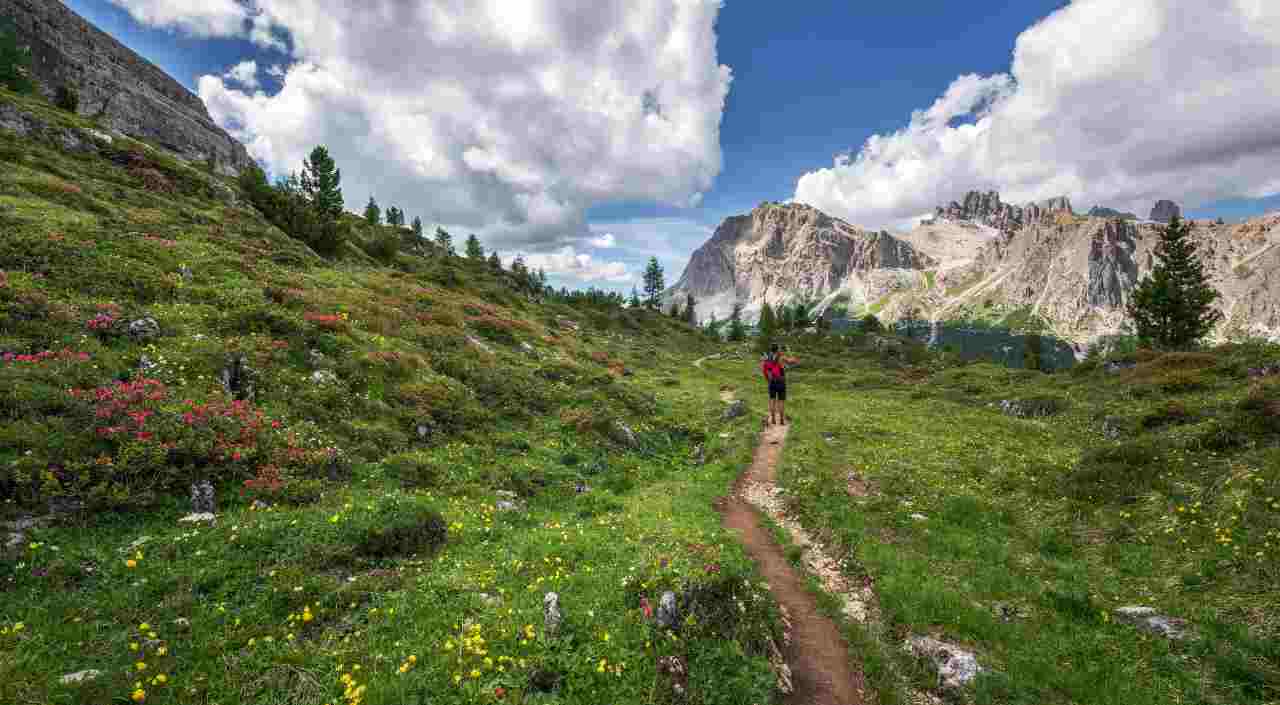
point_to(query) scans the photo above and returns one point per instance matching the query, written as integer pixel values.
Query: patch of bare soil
(817, 654)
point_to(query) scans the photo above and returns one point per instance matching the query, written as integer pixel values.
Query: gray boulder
(956, 667)
(551, 616)
(623, 435)
(202, 498)
(237, 378)
(668, 615)
(736, 409)
(144, 329)
(79, 677)
(1148, 619)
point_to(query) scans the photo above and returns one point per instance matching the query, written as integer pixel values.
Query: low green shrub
(1115, 473)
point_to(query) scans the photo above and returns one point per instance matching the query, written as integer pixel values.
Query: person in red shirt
(775, 375)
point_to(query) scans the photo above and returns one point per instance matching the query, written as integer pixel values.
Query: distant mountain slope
(784, 252)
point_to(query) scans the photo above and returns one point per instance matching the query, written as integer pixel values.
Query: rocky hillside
(1077, 273)
(783, 252)
(118, 88)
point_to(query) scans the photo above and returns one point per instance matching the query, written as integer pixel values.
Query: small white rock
(919, 517)
(198, 517)
(80, 676)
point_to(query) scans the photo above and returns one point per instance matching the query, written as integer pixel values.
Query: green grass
(383, 542)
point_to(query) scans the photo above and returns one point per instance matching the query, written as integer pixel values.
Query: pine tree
(372, 213)
(417, 227)
(768, 327)
(653, 283)
(445, 241)
(690, 314)
(495, 263)
(737, 331)
(675, 310)
(1172, 308)
(322, 184)
(635, 298)
(474, 250)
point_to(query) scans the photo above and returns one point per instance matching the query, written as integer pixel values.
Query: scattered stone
(503, 505)
(324, 377)
(957, 667)
(15, 540)
(529, 350)
(144, 329)
(1117, 366)
(551, 616)
(145, 364)
(317, 359)
(259, 505)
(1030, 408)
(185, 272)
(491, 601)
(736, 409)
(668, 615)
(780, 669)
(202, 501)
(919, 517)
(198, 517)
(857, 486)
(1006, 612)
(699, 454)
(80, 677)
(581, 487)
(1113, 427)
(507, 494)
(182, 623)
(566, 324)
(479, 344)
(623, 435)
(99, 135)
(237, 378)
(1149, 619)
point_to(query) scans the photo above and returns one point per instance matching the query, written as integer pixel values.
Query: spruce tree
(474, 251)
(322, 184)
(635, 298)
(445, 241)
(373, 213)
(1172, 308)
(653, 283)
(737, 331)
(417, 227)
(15, 61)
(495, 263)
(768, 327)
(690, 314)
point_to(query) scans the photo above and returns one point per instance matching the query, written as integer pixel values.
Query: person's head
(773, 351)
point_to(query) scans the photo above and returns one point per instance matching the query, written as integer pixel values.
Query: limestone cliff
(122, 90)
(783, 252)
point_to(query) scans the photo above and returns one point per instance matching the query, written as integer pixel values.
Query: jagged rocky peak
(1104, 212)
(1165, 211)
(988, 209)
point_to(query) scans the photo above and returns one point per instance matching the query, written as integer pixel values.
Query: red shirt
(773, 370)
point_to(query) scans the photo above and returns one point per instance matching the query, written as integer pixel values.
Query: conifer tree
(690, 314)
(417, 227)
(372, 213)
(737, 332)
(445, 241)
(474, 251)
(635, 298)
(653, 283)
(322, 184)
(495, 263)
(15, 61)
(768, 327)
(1172, 308)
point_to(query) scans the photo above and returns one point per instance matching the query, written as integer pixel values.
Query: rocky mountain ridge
(781, 251)
(119, 88)
(978, 257)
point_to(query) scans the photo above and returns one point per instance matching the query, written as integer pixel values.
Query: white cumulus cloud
(203, 18)
(507, 119)
(244, 73)
(1111, 103)
(568, 263)
(604, 241)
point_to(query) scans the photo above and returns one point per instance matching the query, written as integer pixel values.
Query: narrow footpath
(818, 655)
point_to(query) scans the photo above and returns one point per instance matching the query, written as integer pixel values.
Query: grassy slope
(280, 605)
(1053, 520)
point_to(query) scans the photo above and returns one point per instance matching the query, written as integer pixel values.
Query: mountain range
(979, 258)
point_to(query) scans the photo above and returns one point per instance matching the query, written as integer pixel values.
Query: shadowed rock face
(124, 91)
(988, 209)
(781, 252)
(1113, 272)
(1165, 211)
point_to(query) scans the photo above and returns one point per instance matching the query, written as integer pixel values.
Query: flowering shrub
(498, 328)
(333, 322)
(64, 355)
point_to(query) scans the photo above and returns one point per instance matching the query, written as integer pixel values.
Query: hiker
(775, 375)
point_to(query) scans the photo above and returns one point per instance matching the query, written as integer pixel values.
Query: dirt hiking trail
(817, 654)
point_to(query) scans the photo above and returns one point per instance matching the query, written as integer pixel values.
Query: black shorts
(778, 389)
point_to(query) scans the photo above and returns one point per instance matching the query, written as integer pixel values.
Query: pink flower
(644, 607)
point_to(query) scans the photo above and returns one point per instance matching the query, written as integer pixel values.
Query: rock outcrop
(1165, 211)
(119, 88)
(780, 253)
(1104, 212)
(988, 209)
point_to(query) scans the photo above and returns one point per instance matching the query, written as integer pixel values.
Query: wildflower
(131, 563)
(162, 679)
(475, 673)
(138, 695)
(162, 650)
(133, 646)
(141, 666)
(144, 627)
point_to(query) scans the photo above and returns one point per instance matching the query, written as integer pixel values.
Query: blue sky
(810, 80)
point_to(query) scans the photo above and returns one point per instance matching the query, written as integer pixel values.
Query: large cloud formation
(1113, 103)
(508, 119)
